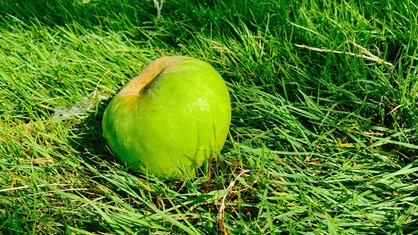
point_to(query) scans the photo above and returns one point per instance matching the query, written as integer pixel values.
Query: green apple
(169, 119)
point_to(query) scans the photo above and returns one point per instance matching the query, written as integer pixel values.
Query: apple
(170, 118)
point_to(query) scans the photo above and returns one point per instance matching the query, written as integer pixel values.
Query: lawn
(324, 133)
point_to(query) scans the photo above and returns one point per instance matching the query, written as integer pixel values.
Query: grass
(324, 126)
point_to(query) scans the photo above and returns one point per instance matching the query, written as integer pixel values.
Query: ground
(323, 137)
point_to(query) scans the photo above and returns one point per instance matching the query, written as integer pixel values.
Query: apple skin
(169, 119)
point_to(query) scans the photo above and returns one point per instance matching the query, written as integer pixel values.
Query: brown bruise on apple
(139, 84)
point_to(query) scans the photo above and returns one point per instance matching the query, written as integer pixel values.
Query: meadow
(324, 132)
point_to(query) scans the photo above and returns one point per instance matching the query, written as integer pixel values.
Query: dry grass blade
(159, 6)
(363, 53)
(222, 208)
(27, 187)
